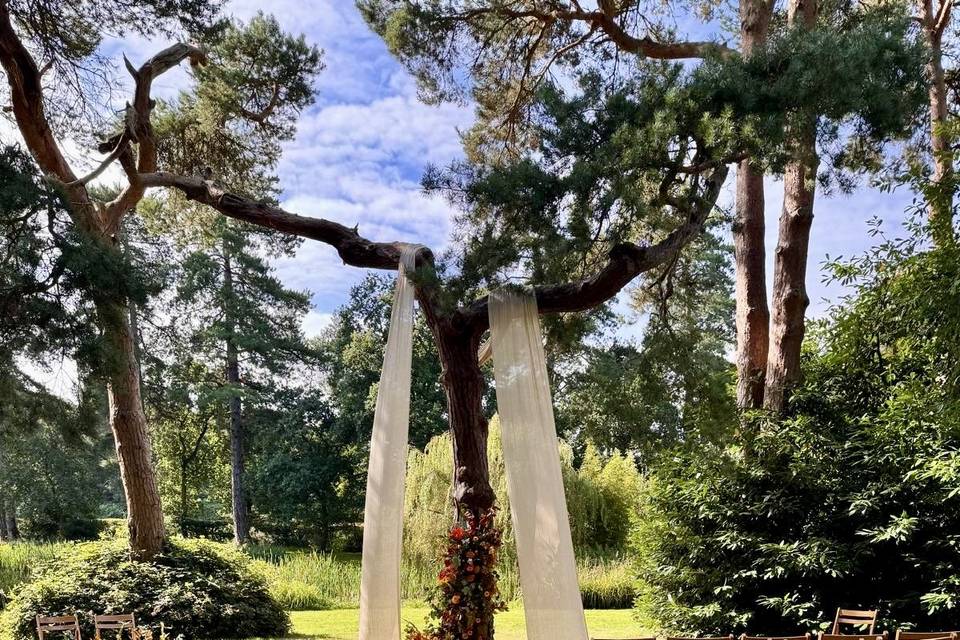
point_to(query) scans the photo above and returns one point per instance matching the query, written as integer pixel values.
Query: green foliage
(307, 480)
(848, 501)
(19, 561)
(198, 589)
(601, 499)
(353, 352)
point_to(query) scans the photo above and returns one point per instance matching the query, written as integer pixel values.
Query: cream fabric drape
(548, 571)
(383, 511)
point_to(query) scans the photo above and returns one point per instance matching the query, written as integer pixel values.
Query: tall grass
(18, 560)
(308, 580)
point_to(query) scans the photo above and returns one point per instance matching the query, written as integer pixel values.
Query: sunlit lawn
(341, 624)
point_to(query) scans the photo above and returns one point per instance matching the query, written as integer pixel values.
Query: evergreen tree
(265, 85)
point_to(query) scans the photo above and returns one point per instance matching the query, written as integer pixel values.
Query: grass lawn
(341, 624)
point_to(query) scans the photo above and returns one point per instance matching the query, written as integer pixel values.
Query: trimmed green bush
(199, 589)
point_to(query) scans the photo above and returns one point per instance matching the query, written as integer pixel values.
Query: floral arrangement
(466, 598)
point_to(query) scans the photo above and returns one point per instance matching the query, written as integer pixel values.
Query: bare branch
(943, 16)
(354, 249)
(138, 126)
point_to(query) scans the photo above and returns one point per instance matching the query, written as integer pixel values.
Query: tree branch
(354, 249)
(26, 93)
(607, 22)
(138, 127)
(943, 16)
(626, 261)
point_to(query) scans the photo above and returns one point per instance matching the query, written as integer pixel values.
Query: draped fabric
(383, 511)
(548, 572)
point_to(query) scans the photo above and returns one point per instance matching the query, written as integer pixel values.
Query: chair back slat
(926, 635)
(855, 618)
(729, 637)
(855, 636)
(116, 622)
(50, 624)
(806, 636)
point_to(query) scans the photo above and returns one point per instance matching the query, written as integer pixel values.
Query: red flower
(457, 533)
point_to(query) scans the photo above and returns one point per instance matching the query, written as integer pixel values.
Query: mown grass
(342, 624)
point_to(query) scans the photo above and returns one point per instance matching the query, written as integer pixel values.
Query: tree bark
(4, 534)
(241, 512)
(463, 383)
(790, 299)
(752, 313)
(940, 197)
(129, 425)
(12, 527)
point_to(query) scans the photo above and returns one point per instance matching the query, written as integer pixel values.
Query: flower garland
(466, 598)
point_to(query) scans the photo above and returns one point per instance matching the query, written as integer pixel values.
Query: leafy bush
(196, 588)
(853, 499)
(601, 493)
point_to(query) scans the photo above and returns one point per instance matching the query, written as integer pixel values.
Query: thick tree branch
(626, 262)
(607, 22)
(26, 93)
(138, 127)
(353, 248)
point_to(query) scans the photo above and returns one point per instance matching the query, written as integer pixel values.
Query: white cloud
(315, 322)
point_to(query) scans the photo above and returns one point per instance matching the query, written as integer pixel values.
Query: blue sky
(361, 149)
(360, 152)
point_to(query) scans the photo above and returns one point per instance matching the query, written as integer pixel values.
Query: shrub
(199, 589)
(852, 499)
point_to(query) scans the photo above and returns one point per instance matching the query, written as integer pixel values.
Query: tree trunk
(241, 511)
(940, 198)
(753, 316)
(790, 263)
(4, 534)
(463, 384)
(183, 497)
(10, 518)
(129, 426)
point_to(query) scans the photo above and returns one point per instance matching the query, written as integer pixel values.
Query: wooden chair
(116, 624)
(63, 624)
(729, 637)
(841, 636)
(926, 635)
(806, 636)
(855, 618)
